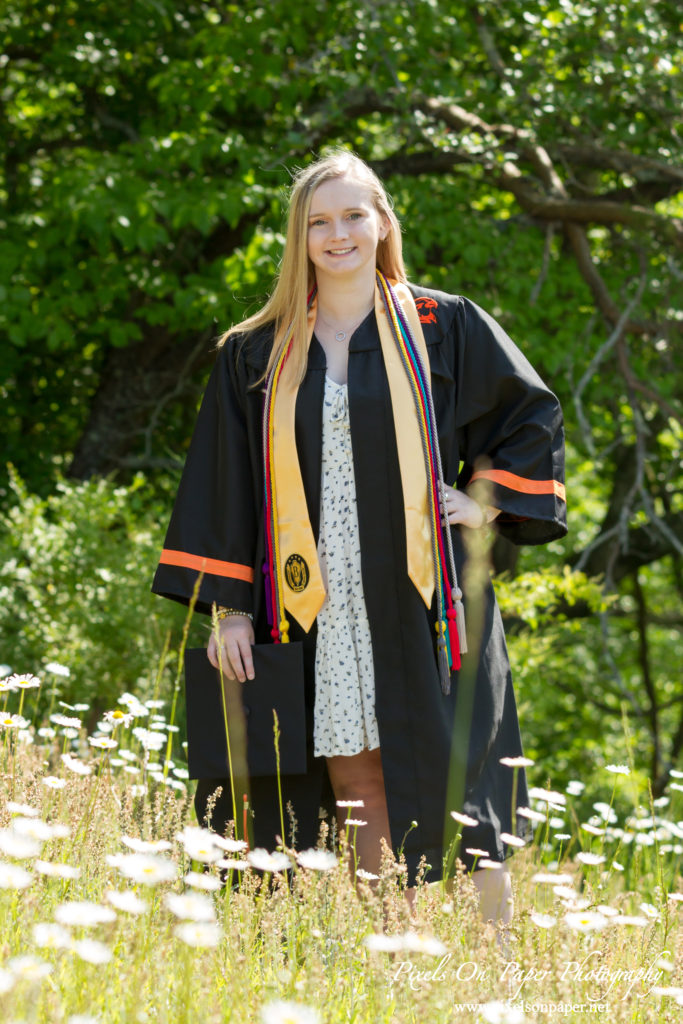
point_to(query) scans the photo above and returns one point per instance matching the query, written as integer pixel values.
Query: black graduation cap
(278, 684)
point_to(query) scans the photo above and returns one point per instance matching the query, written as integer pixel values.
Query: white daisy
(551, 878)
(585, 920)
(57, 669)
(36, 828)
(190, 906)
(14, 877)
(118, 717)
(102, 742)
(264, 861)
(126, 901)
(517, 762)
(52, 782)
(415, 943)
(547, 796)
(202, 880)
(23, 681)
(231, 864)
(8, 721)
(512, 840)
(281, 1011)
(28, 967)
(51, 935)
(543, 920)
(497, 1012)
(25, 809)
(464, 819)
(317, 860)
(618, 769)
(92, 951)
(83, 912)
(146, 845)
(7, 979)
(56, 870)
(586, 857)
(526, 812)
(144, 868)
(20, 847)
(75, 765)
(198, 933)
(380, 943)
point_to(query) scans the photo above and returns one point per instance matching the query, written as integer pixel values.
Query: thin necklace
(341, 335)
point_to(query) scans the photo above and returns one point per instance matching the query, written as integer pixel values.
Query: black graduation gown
(488, 401)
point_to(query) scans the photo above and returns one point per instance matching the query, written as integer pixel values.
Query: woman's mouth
(341, 252)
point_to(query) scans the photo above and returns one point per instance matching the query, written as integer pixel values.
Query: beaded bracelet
(223, 613)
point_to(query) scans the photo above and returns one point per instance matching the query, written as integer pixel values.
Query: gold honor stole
(300, 579)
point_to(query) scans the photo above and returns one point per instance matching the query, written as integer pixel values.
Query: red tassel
(454, 641)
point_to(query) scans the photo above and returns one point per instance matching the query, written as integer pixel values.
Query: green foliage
(75, 574)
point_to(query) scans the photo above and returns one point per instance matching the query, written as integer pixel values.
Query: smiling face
(344, 228)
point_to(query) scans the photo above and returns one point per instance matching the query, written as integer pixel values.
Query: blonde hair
(287, 306)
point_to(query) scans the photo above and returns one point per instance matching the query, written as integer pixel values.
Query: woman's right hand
(235, 639)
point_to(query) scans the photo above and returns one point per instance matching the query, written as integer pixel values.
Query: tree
(531, 147)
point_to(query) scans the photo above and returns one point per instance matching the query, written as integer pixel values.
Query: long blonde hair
(287, 305)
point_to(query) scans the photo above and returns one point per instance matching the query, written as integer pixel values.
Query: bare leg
(360, 777)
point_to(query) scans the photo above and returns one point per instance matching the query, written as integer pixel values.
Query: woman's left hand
(463, 509)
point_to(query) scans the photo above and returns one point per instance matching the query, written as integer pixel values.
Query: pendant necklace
(339, 335)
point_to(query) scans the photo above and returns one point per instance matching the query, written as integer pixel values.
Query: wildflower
(317, 860)
(526, 812)
(543, 920)
(25, 809)
(606, 812)
(126, 901)
(497, 1012)
(19, 847)
(414, 943)
(36, 828)
(117, 717)
(146, 845)
(7, 979)
(592, 830)
(464, 819)
(367, 876)
(585, 920)
(181, 773)
(198, 933)
(152, 703)
(28, 968)
(52, 782)
(636, 920)
(82, 1018)
(5, 686)
(516, 762)
(282, 1011)
(380, 943)
(138, 791)
(92, 951)
(649, 910)
(191, 906)
(585, 857)
(230, 845)
(556, 822)
(23, 681)
(474, 852)
(562, 837)
(51, 935)
(232, 865)
(618, 769)
(512, 840)
(83, 912)
(350, 803)
(199, 844)
(491, 865)
(81, 707)
(677, 897)
(76, 766)
(149, 740)
(128, 755)
(102, 742)
(46, 732)
(8, 721)
(66, 721)
(44, 867)
(200, 880)
(607, 911)
(354, 821)
(547, 796)
(14, 877)
(57, 669)
(144, 868)
(264, 861)
(543, 877)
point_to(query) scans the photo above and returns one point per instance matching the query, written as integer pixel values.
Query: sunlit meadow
(117, 907)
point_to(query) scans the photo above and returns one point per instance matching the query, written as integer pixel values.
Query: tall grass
(596, 930)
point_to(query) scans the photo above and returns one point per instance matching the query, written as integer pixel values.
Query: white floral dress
(344, 714)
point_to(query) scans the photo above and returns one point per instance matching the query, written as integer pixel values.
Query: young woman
(385, 401)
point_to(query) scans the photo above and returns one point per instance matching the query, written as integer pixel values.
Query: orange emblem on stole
(425, 309)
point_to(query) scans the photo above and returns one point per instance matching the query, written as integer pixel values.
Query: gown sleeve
(513, 433)
(214, 522)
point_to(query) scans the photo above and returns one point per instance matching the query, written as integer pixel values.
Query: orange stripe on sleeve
(212, 565)
(521, 483)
